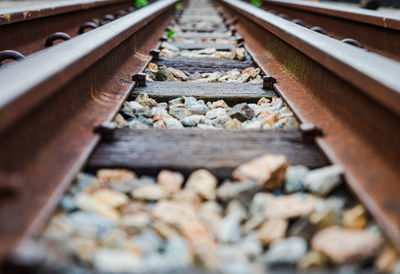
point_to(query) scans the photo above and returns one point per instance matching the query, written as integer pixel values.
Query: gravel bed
(269, 215)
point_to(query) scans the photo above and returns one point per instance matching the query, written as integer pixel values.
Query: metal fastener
(140, 78)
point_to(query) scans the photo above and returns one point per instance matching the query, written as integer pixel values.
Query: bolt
(107, 131)
(268, 82)
(140, 78)
(239, 39)
(155, 53)
(163, 38)
(310, 132)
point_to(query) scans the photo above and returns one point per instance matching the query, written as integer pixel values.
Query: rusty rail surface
(47, 121)
(376, 31)
(26, 29)
(352, 95)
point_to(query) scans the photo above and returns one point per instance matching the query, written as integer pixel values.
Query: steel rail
(47, 120)
(352, 95)
(25, 29)
(376, 31)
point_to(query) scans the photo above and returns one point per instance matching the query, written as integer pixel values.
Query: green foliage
(178, 6)
(141, 3)
(170, 33)
(256, 3)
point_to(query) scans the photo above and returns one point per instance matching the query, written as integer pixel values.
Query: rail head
(377, 18)
(39, 10)
(45, 72)
(374, 75)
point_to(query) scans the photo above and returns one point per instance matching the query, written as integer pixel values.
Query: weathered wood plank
(189, 28)
(150, 150)
(204, 65)
(230, 92)
(202, 35)
(197, 46)
(214, 19)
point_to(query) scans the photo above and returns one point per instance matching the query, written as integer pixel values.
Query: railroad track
(376, 32)
(56, 122)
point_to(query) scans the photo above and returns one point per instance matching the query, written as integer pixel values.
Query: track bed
(205, 169)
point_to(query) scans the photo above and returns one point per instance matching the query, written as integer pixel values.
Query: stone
(114, 238)
(175, 101)
(145, 100)
(286, 123)
(110, 198)
(179, 111)
(254, 125)
(302, 227)
(202, 244)
(172, 123)
(195, 76)
(268, 170)
(87, 203)
(327, 212)
(259, 203)
(346, 245)
(178, 73)
(136, 124)
(120, 121)
(236, 208)
(148, 241)
(323, 180)
(355, 217)
(218, 104)
(115, 175)
(133, 207)
(159, 124)
(251, 246)
(244, 191)
(214, 113)
(187, 196)
(67, 203)
(152, 67)
(188, 122)
(164, 230)
(282, 207)
(242, 112)
(209, 77)
(272, 230)
(170, 181)
(294, 178)
(230, 229)
(210, 213)
(220, 121)
(178, 252)
(174, 213)
(203, 183)
(84, 248)
(286, 251)
(190, 101)
(233, 124)
(138, 220)
(387, 260)
(263, 100)
(114, 260)
(205, 126)
(240, 54)
(312, 259)
(290, 206)
(149, 193)
(199, 109)
(253, 223)
(162, 74)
